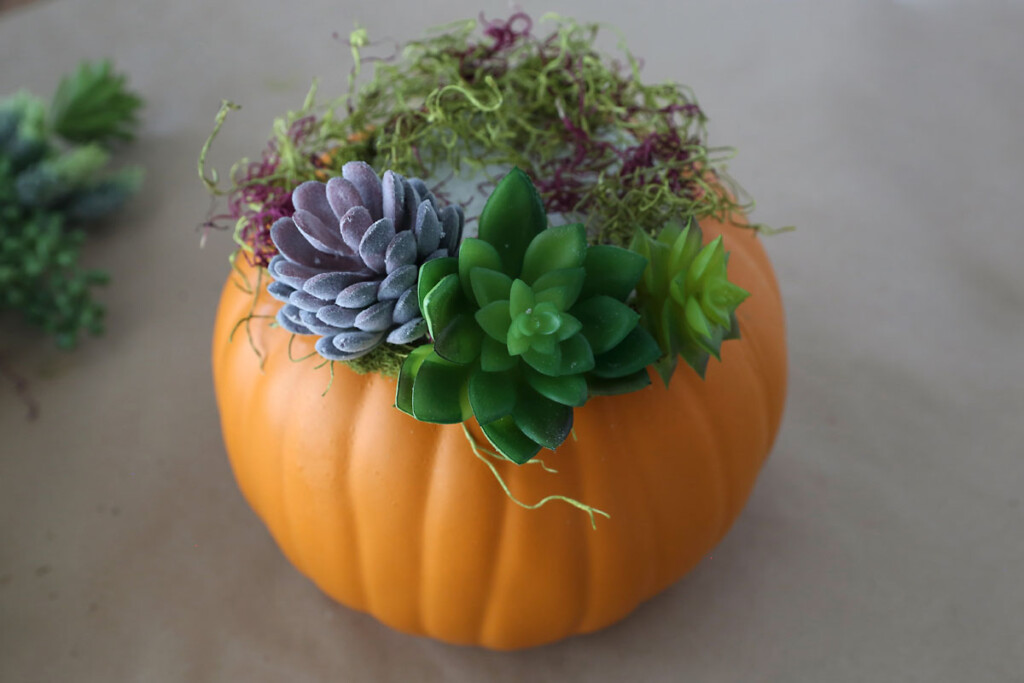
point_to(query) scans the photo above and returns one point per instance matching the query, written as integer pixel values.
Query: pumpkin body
(398, 518)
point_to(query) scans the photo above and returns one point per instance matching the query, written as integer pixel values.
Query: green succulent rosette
(685, 297)
(527, 322)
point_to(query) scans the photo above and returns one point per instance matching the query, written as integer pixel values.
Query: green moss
(385, 360)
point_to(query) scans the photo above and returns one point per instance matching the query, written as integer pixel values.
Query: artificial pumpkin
(398, 518)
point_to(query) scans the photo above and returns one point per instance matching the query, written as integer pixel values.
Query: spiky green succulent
(527, 322)
(94, 105)
(685, 296)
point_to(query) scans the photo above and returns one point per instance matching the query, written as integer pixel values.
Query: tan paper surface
(885, 539)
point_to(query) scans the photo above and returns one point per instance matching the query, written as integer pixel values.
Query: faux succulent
(527, 322)
(685, 296)
(350, 256)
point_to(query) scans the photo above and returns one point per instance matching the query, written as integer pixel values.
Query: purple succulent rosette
(349, 257)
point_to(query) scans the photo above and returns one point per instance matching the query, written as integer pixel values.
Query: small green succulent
(527, 322)
(685, 297)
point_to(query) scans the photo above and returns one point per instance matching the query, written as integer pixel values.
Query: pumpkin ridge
(709, 424)
(766, 373)
(425, 518)
(285, 476)
(596, 618)
(583, 556)
(700, 449)
(257, 401)
(757, 266)
(357, 535)
(488, 613)
(285, 526)
(649, 518)
(655, 516)
(284, 523)
(499, 543)
(754, 359)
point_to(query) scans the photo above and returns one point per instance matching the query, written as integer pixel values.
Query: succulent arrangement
(602, 252)
(53, 182)
(516, 327)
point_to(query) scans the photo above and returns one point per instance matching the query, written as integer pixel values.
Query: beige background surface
(885, 539)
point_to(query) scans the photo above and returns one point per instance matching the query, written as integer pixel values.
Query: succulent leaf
(439, 395)
(401, 251)
(544, 421)
(612, 386)
(520, 298)
(475, 253)
(495, 319)
(460, 340)
(407, 307)
(605, 322)
(489, 396)
(569, 390)
(577, 356)
(685, 297)
(495, 356)
(556, 248)
(407, 332)
(403, 394)
(548, 362)
(635, 352)
(612, 271)
(510, 440)
(441, 305)
(560, 287)
(513, 216)
(427, 230)
(398, 282)
(489, 285)
(432, 272)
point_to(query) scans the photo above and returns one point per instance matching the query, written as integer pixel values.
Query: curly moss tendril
(485, 456)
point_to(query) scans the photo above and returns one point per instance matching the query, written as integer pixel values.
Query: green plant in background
(685, 297)
(95, 105)
(527, 322)
(53, 180)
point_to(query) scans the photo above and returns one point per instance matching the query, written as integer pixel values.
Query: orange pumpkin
(398, 518)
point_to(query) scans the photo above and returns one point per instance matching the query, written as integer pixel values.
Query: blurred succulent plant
(350, 256)
(527, 322)
(93, 105)
(50, 187)
(685, 296)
